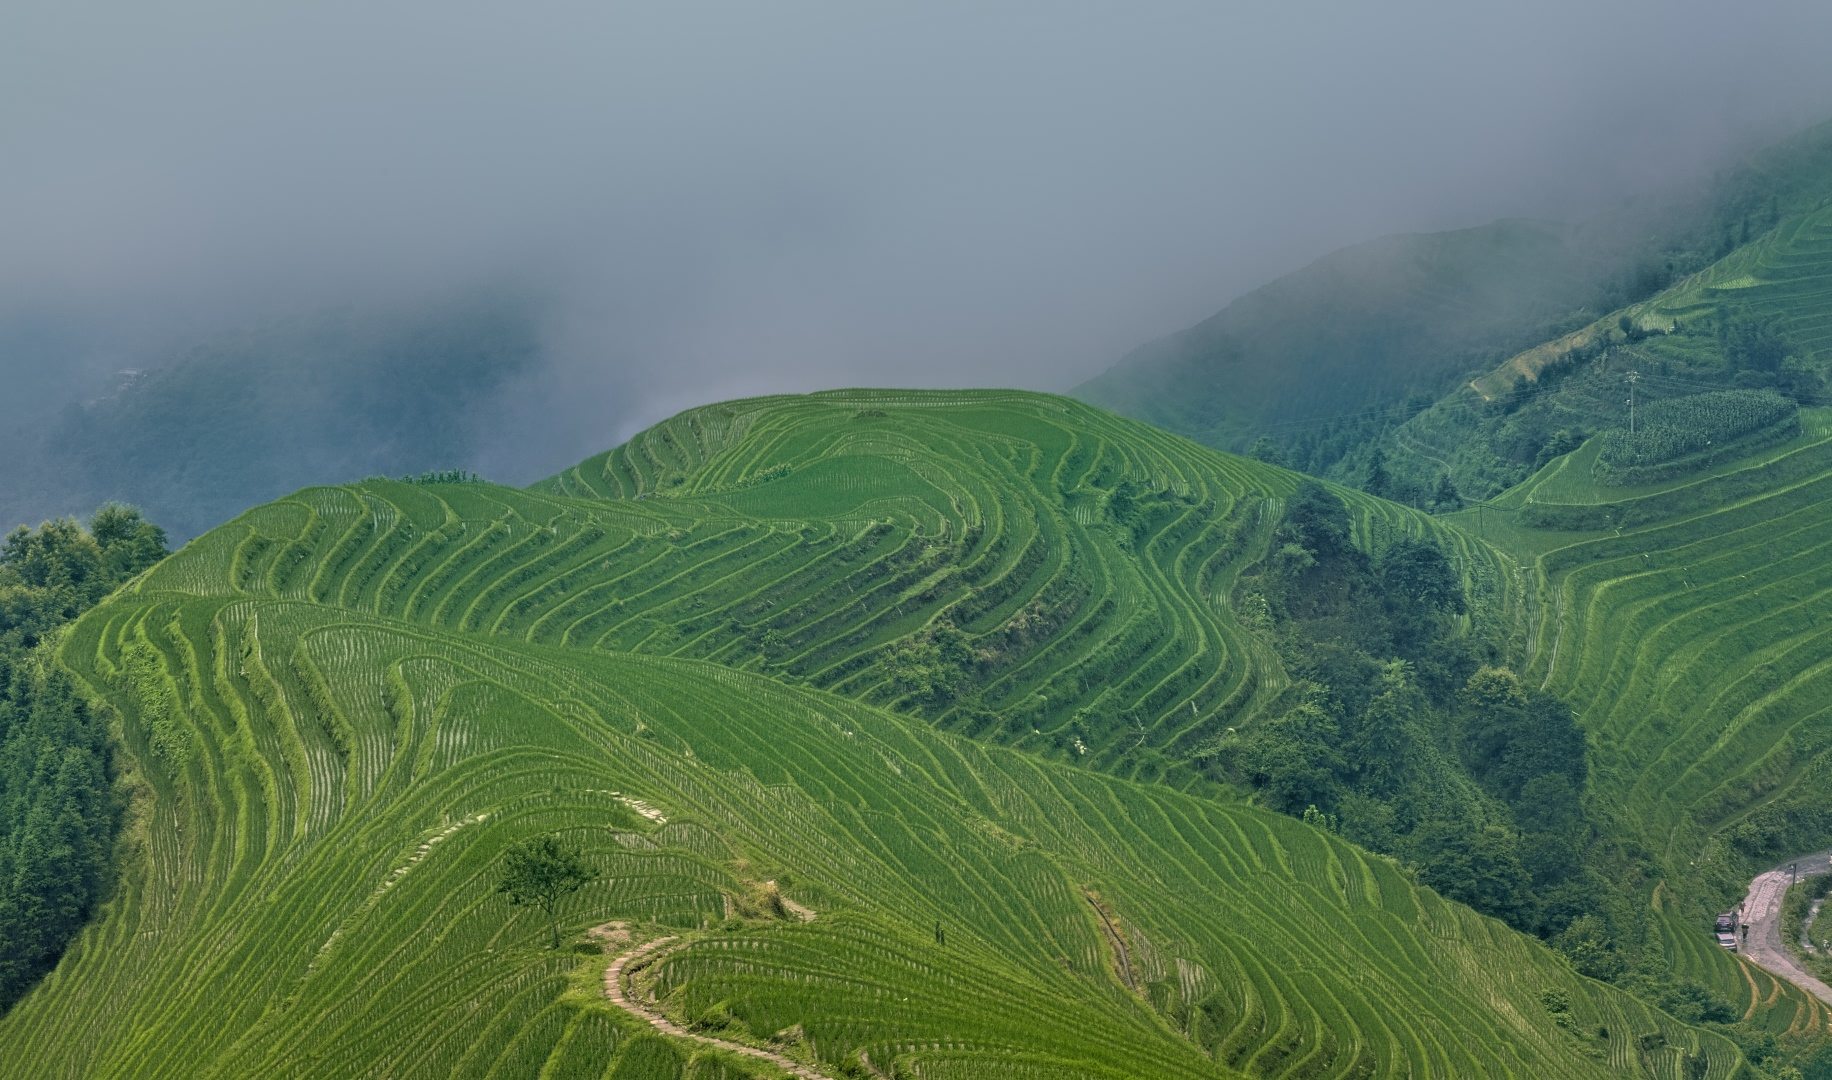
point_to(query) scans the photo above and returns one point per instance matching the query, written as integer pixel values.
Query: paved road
(1762, 912)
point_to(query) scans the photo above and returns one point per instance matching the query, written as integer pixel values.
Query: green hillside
(1478, 355)
(1683, 620)
(1686, 626)
(1759, 316)
(1364, 329)
(339, 709)
(1672, 576)
(1681, 566)
(353, 928)
(1013, 566)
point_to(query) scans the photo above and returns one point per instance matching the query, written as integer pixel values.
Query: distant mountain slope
(325, 789)
(1759, 314)
(1368, 325)
(1776, 252)
(1779, 279)
(1432, 335)
(196, 438)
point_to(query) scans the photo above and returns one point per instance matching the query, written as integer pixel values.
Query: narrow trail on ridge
(618, 996)
(1762, 944)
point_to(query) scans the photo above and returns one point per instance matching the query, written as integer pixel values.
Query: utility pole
(1633, 377)
(1481, 520)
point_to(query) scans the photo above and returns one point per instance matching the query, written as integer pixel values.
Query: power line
(1518, 394)
(1407, 411)
(1364, 414)
(1692, 384)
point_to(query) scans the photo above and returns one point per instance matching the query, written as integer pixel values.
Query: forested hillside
(1750, 319)
(1364, 331)
(1430, 368)
(59, 806)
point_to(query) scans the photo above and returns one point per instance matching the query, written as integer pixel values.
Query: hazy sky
(730, 198)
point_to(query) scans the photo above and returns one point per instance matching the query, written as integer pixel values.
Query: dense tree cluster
(1399, 732)
(1403, 733)
(57, 804)
(1751, 343)
(934, 666)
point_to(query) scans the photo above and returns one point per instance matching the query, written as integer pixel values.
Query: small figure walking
(941, 938)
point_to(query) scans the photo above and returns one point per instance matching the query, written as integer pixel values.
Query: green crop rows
(844, 541)
(340, 708)
(1679, 435)
(1684, 621)
(1784, 277)
(350, 929)
(1694, 641)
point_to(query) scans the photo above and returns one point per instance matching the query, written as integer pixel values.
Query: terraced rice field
(341, 708)
(1784, 277)
(812, 538)
(1693, 639)
(1687, 622)
(315, 895)
(1688, 619)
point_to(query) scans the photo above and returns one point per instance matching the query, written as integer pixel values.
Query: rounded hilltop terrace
(340, 707)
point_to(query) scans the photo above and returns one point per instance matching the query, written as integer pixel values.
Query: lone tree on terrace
(539, 872)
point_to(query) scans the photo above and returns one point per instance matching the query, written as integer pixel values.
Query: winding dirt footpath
(1762, 914)
(619, 996)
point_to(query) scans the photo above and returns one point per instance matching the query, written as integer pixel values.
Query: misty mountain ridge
(195, 437)
(1321, 361)
(1379, 329)
(1369, 324)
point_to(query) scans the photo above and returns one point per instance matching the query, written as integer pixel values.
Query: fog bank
(721, 199)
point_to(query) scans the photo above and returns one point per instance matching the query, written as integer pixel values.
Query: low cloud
(723, 199)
